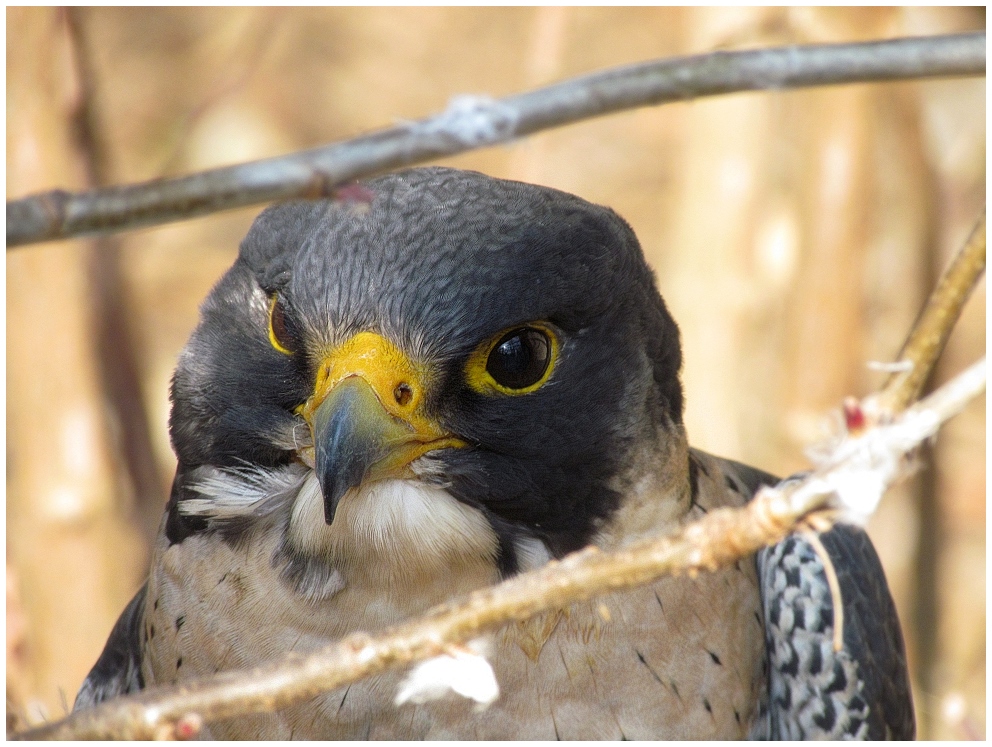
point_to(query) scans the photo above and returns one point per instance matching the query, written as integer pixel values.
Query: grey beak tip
(330, 507)
(333, 489)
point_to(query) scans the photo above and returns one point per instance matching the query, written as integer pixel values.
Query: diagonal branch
(929, 335)
(718, 539)
(477, 121)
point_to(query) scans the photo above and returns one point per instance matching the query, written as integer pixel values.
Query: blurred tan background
(794, 235)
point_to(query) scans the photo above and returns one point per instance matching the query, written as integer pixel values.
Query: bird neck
(655, 487)
(395, 532)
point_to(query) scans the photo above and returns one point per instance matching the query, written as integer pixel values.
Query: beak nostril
(403, 393)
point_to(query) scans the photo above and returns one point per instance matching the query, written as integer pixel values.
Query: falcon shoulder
(118, 670)
(861, 691)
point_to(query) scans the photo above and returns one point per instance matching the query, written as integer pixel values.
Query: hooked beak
(366, 418)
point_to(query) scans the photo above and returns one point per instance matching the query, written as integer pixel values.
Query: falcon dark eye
(520, 359)
(279, 335)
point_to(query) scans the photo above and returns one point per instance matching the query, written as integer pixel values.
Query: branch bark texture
(476, 121)
(930, 333)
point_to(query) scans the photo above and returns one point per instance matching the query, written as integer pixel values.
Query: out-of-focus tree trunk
(69, 535)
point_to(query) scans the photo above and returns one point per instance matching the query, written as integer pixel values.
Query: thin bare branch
(929, 335)
(478, 121)
(718, 539)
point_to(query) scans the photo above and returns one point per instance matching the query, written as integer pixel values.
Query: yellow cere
(398, 382)
(481, 380)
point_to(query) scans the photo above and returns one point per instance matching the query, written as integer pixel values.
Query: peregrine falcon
(392, 401)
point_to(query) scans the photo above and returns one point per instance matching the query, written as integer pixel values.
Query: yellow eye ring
(518, 360)
(277, 326)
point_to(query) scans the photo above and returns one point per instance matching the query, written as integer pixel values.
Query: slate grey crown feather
(390, 403)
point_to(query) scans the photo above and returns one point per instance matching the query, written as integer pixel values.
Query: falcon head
(452, 346)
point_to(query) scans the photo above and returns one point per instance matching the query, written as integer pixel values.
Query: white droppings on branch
(366, 655)
(473, 121)
(464, 670)
(856, 471)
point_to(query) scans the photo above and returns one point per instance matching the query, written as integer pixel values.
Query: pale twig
(718, 539)
(478, 121)
(929, 335)
(813, 538)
